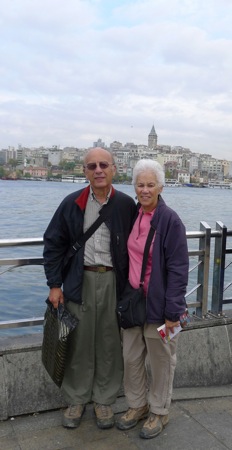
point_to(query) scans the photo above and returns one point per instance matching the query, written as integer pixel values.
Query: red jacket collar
(83, 197)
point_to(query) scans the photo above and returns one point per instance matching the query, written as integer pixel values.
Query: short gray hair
(153, 166)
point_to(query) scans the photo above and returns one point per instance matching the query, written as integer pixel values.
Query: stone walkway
(200, 419)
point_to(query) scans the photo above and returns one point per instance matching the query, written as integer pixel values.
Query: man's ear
(86, 173)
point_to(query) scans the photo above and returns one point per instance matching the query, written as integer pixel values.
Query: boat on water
(172, 183)
(74, 179)
(220, 185)
(196, 185)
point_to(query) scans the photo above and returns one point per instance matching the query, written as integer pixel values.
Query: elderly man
(96, 276)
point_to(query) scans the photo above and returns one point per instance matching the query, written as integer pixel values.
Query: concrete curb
(204, 363)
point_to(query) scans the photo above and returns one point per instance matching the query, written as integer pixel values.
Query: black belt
(101, 269)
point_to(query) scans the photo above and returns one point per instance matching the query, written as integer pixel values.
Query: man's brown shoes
(104, 416)
(72, 416)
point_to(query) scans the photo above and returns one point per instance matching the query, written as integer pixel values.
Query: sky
(78, 70)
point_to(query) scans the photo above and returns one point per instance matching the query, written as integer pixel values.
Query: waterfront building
(55, 156)
(36, 172)
(172, 158)
(7, 154)
(196, 164)
(70, 154)
(164, 148)
(181, 150)
(3, 156)
(183, 177)
(20, 154)
(151, 154)
(171, 168)
(135, 152)
(121, 158)
(212, 165)
(78, 169)
(226, 168)
(115, 146)
(99, 143)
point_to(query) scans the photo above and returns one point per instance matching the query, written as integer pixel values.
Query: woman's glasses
(102, 164)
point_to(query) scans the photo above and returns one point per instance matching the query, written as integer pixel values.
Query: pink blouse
(135, 245)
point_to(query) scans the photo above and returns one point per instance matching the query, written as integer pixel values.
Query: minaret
(152, 138)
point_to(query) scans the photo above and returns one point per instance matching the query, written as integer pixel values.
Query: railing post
(219, 269)
(203, 270)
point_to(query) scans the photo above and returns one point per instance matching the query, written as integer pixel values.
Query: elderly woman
(165, 284)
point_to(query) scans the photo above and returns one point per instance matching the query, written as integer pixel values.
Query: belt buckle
(102, 269)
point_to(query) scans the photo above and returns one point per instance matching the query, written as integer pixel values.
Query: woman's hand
(170, 326)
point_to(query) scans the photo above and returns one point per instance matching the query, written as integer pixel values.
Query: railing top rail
(18, 323)
(205, 232)
(199, 234)
(20, 242)
(39, 240)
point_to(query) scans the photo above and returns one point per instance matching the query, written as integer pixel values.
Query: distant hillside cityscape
(180, 164)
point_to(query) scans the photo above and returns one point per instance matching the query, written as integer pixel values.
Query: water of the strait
(26, 208)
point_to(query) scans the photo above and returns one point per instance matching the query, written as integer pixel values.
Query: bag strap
(145, 254)
(103, 214)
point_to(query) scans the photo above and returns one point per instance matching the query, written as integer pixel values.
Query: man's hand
(56, 296)
(170, 326)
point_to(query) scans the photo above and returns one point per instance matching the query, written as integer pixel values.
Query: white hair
(144, 165)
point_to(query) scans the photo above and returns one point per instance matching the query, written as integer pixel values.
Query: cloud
(72, 72)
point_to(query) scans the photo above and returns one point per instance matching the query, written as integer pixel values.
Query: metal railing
(204, 303)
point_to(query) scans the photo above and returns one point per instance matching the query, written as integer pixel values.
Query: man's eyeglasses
(102, 164)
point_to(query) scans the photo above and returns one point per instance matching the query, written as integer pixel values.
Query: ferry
(74, 179)
(172, 183)
(220, 185)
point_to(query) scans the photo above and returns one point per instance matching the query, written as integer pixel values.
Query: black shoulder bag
(131, 307)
